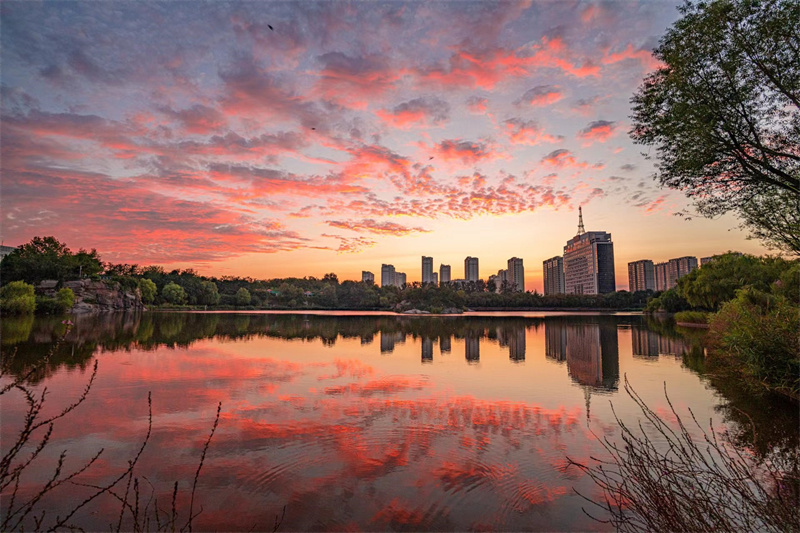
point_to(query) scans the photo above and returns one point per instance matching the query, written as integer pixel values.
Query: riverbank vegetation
(752, 307)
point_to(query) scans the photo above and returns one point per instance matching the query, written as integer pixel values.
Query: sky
(277, 139)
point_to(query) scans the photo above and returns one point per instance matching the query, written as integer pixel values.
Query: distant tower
(581, 229)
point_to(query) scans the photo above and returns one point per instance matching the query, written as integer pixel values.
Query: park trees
(723, 113)
(47, 258)
(173, 293)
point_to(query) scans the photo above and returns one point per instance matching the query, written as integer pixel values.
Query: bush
(65, 298)
(17, 298)
(760, 331)
(691, 317)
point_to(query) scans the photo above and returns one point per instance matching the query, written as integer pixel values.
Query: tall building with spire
(589, 262)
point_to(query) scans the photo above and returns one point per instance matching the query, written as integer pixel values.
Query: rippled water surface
(359, 422)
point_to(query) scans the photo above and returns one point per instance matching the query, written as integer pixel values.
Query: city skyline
(246, 139)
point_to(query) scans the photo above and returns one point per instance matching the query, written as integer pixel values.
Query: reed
(661, 477)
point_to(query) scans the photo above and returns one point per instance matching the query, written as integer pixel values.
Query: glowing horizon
(294, 139)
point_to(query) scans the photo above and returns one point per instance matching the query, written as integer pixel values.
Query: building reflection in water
(444, 344)
(514, 339)
(427, 350)
(591, 351)
(390, 338)
(472, 348)
(555, 341)
(646, 343)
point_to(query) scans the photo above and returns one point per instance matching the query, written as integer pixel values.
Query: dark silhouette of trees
(723, 113)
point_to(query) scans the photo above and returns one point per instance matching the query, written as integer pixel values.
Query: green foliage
(788, 285)
(242, 297)
(65, 298)
(724, 113)
(209, 294)
(148, 290)
(47, 258)
(669, 301)
(17, 298)
(759, 330)
(717, 282)
(173, 294)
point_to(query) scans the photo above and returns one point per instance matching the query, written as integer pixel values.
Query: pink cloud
(476, 104)
(198, 119)
(351, 80)
(541, 95)
(645, 57)
(467, 152)
(419, 111)
(350, 244)
(598, 131)
(527, 132)
(379, 228)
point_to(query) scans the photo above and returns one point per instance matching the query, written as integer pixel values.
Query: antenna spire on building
(581, 229)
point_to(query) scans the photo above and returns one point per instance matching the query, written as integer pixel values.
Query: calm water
(364, 422)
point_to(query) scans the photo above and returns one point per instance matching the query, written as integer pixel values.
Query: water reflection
(357, 434)
(647, 343)
(591, 351)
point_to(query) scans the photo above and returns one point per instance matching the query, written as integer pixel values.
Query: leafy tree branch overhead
(723, 113)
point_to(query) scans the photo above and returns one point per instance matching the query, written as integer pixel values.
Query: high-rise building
(660, 270)
(516, 274)
(399, 279)
(471, 269)
(444, 274)
(641, 276)
(679, 267)
(554, 275)
(367, 276)
(669, 272)
(498, 279)
(435, 279)
(589, 262)
(427, 270)
(388, 275)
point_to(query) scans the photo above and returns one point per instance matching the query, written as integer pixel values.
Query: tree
(718, 281)
(242, 297)
(173, 293)
(209, 294)
(148, 290)
(723, 113)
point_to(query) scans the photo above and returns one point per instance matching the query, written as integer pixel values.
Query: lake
(360, 421)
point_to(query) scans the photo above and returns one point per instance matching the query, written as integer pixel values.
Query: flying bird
(431, 157)
(270, 27)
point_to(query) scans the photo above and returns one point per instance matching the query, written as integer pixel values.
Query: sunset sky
(274, 139)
